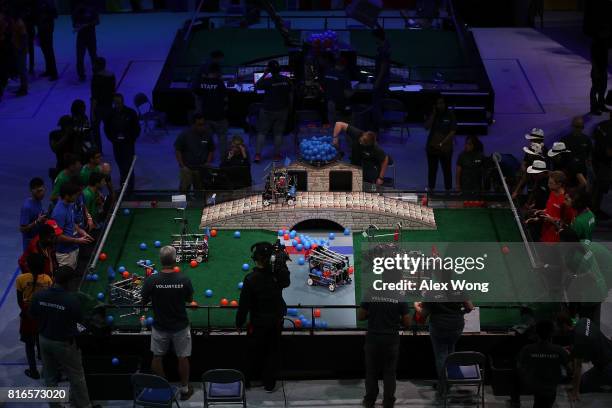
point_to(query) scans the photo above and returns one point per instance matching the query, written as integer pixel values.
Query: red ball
(326, 274)
(286, 237)
(149, 271)
(193, 263)
(102, 257)
(313, 246)
(351, 270)
(505, 250)
(224, 302)
(213, 233)
(298, 323)
(233, 303)
(194, 304)
(176, 269)
(317, 313)
(298, 240)
(125, 274)
(424, 201)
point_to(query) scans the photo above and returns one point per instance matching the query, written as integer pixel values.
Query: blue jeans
(595, 378)
(443, 343)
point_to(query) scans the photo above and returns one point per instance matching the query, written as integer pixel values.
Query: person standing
(58, 311)
(43, 244)
(337, 88)
(194, 149)
(19, 40)
(442, 127)
(27, 284)
(555, 209)
(169, 292)
(276, 106)
(73, 169)
(32, 213)
(73, 236)
(122, 128)
(384, 313)
(102, 92)
(598, 26)
(470, 167)
(211, 101)
(584, 221)
(93, 199)
(602, 161)
(85, 18)
(540, 366)
(578, 143)
(63, 141)
(45, 25)
(382, 77)
(261, 298)
(82, 128)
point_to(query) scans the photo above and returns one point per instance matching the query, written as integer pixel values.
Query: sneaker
(368, 403)
(186, 395)
(257, 158)
(34, 374)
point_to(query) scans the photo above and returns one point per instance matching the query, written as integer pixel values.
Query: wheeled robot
(328, 268)
(280, 187)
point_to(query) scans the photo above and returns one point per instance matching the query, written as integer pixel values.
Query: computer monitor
(258, 75)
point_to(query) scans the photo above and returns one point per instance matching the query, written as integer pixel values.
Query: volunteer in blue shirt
(32, 213)
(58, 311)
(73, 236)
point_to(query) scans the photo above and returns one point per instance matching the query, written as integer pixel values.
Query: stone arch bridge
(355, 210)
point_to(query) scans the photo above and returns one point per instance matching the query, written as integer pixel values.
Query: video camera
(279, 252)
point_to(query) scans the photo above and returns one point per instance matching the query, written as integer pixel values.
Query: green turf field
(227, 254)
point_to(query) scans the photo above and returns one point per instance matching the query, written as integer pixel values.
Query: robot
(280, 187)
(328, 268)
(188, 245)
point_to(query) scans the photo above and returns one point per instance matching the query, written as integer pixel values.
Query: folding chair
(305, 118)
(147, 114)
(252, 118)
(465, 368)
(153, 391)
(224, 386)
(394, 114)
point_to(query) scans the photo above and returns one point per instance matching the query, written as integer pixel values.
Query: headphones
(262, 250)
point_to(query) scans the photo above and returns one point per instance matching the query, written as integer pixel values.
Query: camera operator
(262, 299)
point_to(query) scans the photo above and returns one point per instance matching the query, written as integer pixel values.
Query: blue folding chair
(224, 386)
(153, 391)
(465, 368)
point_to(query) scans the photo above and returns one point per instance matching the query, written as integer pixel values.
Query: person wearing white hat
(535, 134)
(602, 160)
(537, 194)
(536, 150)
(563, 160)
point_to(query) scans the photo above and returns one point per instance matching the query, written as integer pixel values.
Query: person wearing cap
(27, 284)
(73, 236)
(58, 311)
(602, 160)
(578, 143)
(43, 243)
(470, 167)
(32, 215)
(261, 299)
(72, 169)
(277, 101)
(535, 151)
(574, 168)
(211, 101)
(169, 292)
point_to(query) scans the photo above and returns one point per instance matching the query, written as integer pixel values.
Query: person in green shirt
(584, 222)
(603, 257)
(73, 168)
(93, 162)
(92, 197)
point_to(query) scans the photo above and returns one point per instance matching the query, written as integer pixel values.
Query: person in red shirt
(554, 212)
(44, 244)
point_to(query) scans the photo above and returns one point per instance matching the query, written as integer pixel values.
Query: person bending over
(168, 293)
(262, 300)
(365, 152)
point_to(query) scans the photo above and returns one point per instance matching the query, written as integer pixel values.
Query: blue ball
(299, 247)
(306, 323)
(208, 293)
(292, 312)
(347, 231)
(280, 233)
(292, 234)
(284, 231)
(143, 246)
(115, 361)
(332, 236)
(149, 321)
(301, 317)
(100, 296)
(88, 277)
(293, 242)
(95, 277)
(319, 273)
(111, 275)
(301, 260)
(154, 271)
(236, 234)
(307, 245)
(110, 319)
(245, 267)
(121, 269)
(126, 211)
(148, 262)
(240, 285)
(157, 244)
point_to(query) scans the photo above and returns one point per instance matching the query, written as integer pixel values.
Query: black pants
(601, 185)
(99, 116)
(599, 73)
(86, 41)
(31, 345)
(45, 38)
(381, 356)
(31, 27)
(445, 162)
(264, 354)
(544, 399)
(123, 157)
